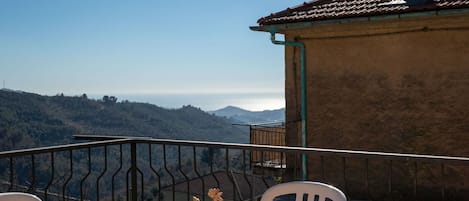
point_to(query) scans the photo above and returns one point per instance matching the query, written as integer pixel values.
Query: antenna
(4, 84)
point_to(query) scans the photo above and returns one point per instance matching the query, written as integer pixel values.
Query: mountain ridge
(30, 120)
(240, 115)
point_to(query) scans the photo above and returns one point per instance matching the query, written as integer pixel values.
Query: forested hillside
(31, 120)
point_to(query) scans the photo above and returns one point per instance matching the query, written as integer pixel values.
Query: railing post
(133, 171)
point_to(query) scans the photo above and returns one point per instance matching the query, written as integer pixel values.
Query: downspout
(304, 172)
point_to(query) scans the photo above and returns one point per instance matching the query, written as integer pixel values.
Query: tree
(109, 99)
(209, 154)
(113, 99)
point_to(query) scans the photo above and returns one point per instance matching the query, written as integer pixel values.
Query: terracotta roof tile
(335, 9)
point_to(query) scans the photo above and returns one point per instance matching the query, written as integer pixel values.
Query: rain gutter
(273, 32)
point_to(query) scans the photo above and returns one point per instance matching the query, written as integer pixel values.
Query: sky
(140, 47)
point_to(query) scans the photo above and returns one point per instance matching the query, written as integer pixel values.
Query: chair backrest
(324, 192)
(17, 196)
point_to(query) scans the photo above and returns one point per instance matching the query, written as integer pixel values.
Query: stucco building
(379, 75)
(376, 75)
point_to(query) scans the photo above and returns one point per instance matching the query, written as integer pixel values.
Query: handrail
(323, 151)
(106, 137)
(57, 148)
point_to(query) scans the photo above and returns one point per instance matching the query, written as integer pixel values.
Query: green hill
(31, 120)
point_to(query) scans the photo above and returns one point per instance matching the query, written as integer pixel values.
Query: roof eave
(282, 27)
(275, 28)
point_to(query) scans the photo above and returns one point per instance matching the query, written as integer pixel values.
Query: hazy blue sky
(135, 47)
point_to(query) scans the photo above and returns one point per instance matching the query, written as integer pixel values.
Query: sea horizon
(206, 101)
(252, 101)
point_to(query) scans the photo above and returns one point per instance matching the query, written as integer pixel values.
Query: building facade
(379, 76)
(389, 76)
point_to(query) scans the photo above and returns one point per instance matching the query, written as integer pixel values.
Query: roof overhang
(281, 28)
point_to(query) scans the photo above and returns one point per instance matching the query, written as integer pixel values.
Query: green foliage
(31, 120)
(209, 154)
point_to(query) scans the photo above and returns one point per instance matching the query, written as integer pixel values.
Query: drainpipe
(304, 172)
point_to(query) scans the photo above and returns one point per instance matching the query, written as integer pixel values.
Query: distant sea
(207, 102)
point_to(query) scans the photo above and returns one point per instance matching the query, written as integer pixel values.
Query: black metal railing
(120, 168)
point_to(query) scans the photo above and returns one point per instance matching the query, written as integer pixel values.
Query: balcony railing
(268, 134)
(158, 169)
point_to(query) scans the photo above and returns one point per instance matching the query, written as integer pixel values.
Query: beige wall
(389, 85)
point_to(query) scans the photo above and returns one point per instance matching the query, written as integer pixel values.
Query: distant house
(380, 75)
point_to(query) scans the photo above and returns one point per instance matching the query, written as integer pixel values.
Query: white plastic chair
(17, 196)
(299, 188)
